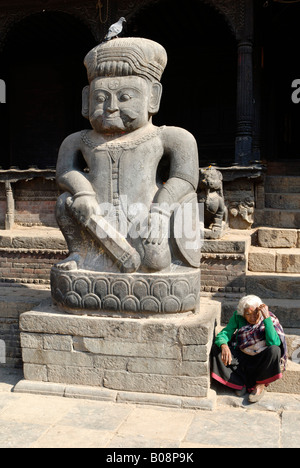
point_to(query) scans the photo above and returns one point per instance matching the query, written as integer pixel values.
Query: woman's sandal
(255, 397)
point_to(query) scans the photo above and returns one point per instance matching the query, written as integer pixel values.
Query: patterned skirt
(245, 370)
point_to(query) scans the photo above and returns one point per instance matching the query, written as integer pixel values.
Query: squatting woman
(251, 351)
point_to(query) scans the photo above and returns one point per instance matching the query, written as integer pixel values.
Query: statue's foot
(157, 256)
(70, 263)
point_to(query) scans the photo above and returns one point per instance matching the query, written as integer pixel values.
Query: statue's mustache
(126, 114)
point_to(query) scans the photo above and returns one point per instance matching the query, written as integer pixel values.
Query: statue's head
(125, 89)
(212, 178)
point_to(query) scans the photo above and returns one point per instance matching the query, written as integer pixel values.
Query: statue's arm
(69, 172)
(182, 148)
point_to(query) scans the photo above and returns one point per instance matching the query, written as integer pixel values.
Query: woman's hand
(264, 309)
(226, 355)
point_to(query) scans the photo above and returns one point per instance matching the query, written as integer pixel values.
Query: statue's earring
(155, 98)
(85, 101)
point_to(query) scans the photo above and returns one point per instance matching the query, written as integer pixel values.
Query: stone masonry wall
(149, 355)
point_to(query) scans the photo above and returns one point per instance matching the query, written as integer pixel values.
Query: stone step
(293, 343)
(282, 184)
(290, 382)
(288, 313)
(34, 238)
(282, 201)
(272, 285)
(275, 238)
(274, 260)
(277, 218)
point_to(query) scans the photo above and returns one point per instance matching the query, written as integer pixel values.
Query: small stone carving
(241, 214)
(131, 228)
(215, 210)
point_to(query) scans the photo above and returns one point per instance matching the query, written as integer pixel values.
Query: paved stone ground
(35, 421)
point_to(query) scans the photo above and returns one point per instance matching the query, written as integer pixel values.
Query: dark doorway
(200, 79)
(43, 67)
(280, 37)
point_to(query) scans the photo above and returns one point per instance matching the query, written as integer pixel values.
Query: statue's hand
(83, 206)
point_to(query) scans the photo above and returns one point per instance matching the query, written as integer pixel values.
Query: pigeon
(115, 29)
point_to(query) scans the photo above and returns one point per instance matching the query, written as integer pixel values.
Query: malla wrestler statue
(119, 209)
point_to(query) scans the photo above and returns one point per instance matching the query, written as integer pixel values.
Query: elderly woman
(248, 353)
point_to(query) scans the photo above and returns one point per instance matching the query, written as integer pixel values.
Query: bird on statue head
(115, 29)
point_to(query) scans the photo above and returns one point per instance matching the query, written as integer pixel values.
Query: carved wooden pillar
(245, 104)
(257, 89)
(10, 208)
(244, 137)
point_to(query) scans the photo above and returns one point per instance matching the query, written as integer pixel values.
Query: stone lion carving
(215, 210)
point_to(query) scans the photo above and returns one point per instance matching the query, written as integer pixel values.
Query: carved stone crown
(127, 56)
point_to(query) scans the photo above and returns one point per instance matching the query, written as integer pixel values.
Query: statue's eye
(125, 97)
(101, 98)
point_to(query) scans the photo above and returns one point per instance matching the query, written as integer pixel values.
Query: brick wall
(29, 260)
(27, 266)
(223, 273)
(35, 212)
(10, 334)
(224, 265)
(14, 300)
(28, 254)
(34, 201)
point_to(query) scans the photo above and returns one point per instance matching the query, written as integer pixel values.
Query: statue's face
(213, 181)
(119, 104)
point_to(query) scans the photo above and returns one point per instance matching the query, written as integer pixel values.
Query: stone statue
(215, 210)
(124, 218)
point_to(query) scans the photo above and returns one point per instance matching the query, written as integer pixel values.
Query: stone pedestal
(92, 293)
(130, 357)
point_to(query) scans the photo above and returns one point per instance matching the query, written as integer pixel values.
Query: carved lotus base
(94, 293)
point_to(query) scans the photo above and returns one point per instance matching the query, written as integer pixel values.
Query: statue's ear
(85, 101)
(155, 97)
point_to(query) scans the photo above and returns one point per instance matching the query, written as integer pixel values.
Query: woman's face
(252, 315)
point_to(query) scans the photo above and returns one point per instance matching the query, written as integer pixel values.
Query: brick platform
(14, 300)
(28, 254)
(224, 263)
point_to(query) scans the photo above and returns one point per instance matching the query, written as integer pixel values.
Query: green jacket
(237, 321)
